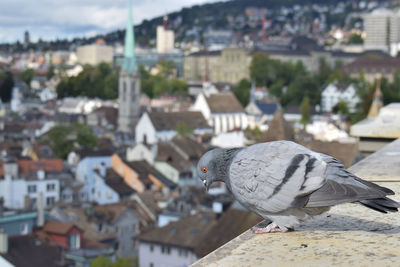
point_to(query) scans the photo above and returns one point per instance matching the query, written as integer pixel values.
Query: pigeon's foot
(270, 228)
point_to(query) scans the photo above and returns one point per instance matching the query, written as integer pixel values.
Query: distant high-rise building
(165, 38)
(26, 39)
(382, 28)
(129, 83)
(95, 53)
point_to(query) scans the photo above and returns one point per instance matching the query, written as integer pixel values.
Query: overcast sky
(49, 19)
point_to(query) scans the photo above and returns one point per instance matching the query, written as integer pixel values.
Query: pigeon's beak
(207, 185)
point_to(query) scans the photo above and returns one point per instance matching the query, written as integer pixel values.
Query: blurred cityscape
(100, 137)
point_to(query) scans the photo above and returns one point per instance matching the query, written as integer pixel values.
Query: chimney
(40, 210)
(3, 241)
(41, 174)
(10, 170)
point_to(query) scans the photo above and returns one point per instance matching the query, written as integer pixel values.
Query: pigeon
(286, 183)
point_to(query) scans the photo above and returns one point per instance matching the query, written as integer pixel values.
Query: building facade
(334, 93)
(95, 54)
(19, 192)
(165, 40)
(155, 127)
(87, 173)
(382, 28)
(222, 111)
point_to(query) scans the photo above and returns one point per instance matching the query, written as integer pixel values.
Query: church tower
(129, 83)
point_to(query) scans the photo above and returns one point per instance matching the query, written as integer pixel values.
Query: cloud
(50, 19)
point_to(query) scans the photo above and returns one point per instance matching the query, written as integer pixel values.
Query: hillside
(235, 15)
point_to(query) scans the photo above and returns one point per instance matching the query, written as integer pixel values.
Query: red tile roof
(58, 227)
(48, 165)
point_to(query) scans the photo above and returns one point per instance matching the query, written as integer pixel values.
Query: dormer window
(74, 241)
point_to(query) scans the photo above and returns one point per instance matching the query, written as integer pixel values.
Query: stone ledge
(348, 235)
(383, 165)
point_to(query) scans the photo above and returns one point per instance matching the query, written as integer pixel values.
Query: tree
(64, 138)
(27, 76)
(50, 72)
(242, 91)
(356, 39)
(166, 68)
(305, 110)
(99, 81)
(324, 72)
(183, 130)
(391, 91)
(6, 86)
(263, 69)
(101, 261)
(155, 85)
(302, 86)
(342, 108)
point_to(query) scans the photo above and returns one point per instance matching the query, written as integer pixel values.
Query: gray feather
(285, 182)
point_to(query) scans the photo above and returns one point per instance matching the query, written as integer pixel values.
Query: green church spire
(129, 53)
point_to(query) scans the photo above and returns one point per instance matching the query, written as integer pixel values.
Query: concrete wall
(14, 191)
(145, 131)
(103, 194)
(85, 172)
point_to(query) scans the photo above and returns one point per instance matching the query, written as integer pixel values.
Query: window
(24, 228)
(74, 241)
(151, 264)
(51, 187)
(151, 248)
(50, 201)
(31, 188)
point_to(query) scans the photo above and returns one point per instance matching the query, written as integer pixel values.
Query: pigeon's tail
(383, 205)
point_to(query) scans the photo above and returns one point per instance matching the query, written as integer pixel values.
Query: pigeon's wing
(273, 177)
(341, 186)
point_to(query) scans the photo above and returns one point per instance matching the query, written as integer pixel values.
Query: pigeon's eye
(204, 170)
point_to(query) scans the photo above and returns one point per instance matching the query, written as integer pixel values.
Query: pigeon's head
(206, 168)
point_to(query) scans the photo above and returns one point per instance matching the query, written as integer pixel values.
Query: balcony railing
(348, 235)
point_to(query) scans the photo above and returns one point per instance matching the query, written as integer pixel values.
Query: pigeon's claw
(270, 228)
